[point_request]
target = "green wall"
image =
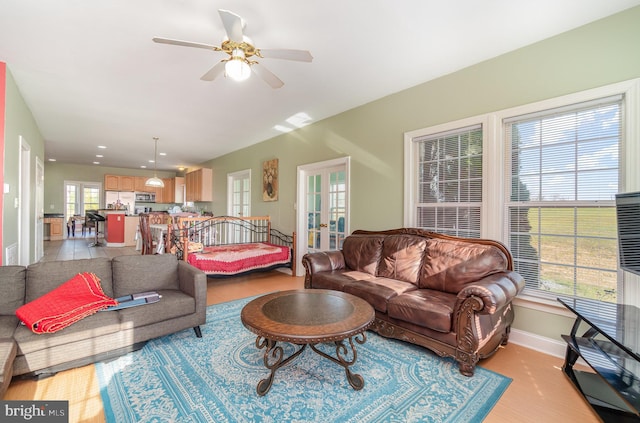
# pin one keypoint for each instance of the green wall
(597, 54)
(18, 122)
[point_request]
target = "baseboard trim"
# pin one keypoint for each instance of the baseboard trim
(541, 344)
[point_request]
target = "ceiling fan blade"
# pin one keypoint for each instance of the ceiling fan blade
(267, 75)
(286, 54)
(233, 25)
(214, 72)
(184, 43)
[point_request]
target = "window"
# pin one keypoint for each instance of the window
(564, 174)
(541, 178)
(91, 198)
(449, 181)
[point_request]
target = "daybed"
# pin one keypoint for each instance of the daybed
(451, 295)
(228, 246)
(104, 334)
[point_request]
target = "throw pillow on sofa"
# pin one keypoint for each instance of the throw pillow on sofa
(77, 298)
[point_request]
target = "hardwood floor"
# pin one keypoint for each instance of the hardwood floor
(539, 390)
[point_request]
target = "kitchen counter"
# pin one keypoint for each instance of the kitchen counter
(54, 215)
(130, 230)
(52, 226)
(114, 227)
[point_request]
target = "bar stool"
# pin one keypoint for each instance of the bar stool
(96, 219)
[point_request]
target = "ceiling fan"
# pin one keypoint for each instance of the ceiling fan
(241, 51)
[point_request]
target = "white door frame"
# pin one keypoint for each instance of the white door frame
(23, 203)
(39, 210)
(301, 207)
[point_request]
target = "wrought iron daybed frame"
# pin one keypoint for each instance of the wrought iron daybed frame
(191, 235)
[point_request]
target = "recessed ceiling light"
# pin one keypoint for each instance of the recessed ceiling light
(52, 160)
(143, 166)
(99, 155)
(102, 146)
(96, 162)
(151, 161)
(162, 154)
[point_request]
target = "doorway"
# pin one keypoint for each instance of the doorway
(323, 206)
(239, 193)
(80, 197)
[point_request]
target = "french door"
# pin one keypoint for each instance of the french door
(80, 197)
(323, 219)
(239, 192)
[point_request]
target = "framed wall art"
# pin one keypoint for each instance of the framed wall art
(270, 180)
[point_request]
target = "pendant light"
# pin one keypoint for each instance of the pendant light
(155, 182)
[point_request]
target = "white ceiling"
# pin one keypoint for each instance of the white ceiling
(91, 75)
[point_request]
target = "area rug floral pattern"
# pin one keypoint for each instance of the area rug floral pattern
(182, 378)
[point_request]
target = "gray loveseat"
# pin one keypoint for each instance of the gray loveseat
(105, 334)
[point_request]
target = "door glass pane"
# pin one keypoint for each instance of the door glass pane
(72, 206)
(337, 209)
(313, 211)
(91, 197)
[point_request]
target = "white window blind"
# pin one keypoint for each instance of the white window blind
(449, 188)
(563, 176)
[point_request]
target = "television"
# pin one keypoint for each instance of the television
(628, 217)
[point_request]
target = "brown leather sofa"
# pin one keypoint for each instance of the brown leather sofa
(451, 295)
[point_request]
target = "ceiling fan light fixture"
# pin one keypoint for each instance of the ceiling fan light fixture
(237, 67)
(155, 182)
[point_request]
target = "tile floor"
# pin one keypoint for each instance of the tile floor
(78, 248)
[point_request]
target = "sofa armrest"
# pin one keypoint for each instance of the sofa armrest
(323, 261)
(495, 291)
(193, 282)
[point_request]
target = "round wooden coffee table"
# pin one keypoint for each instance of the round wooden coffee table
(308, 317)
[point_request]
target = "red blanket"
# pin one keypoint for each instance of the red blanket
(237, 258)
(79, 297)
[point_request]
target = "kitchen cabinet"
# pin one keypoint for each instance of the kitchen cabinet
(55, 225)
(199, 185)
(139, 184)
(119, 183)
(178, 190)
(171, 193)
(130, 229)
(166, 194)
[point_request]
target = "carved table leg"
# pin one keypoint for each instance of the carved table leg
(342, 353)
(273, 360)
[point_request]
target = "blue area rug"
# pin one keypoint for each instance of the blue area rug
(182, 378)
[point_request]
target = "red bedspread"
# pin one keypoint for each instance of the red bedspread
(77, 298)
(239, 258)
